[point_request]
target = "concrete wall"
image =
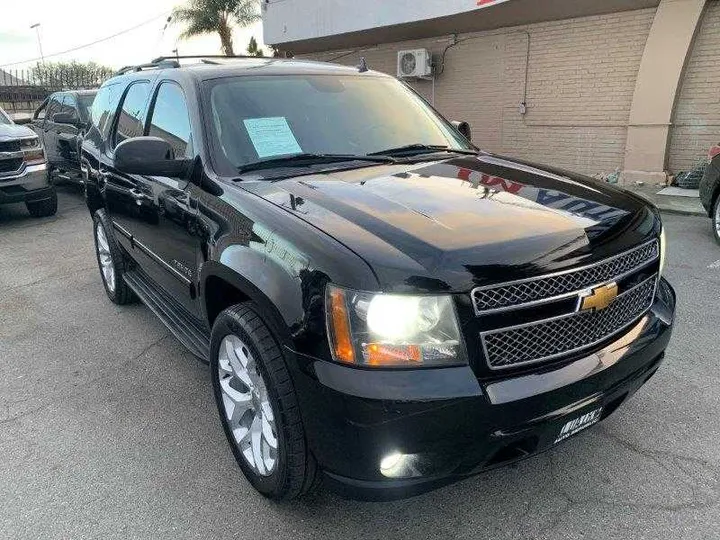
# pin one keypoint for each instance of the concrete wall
(581, 77)
(696, 123)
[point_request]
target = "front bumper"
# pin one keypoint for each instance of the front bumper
(451, 424)
(30, 185)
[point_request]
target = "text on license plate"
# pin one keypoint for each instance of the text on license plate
(578, 424)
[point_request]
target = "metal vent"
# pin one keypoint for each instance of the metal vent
(551, 338)
(563, 284)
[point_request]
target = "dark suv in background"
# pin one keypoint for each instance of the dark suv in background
(381, 303)
(60, 122)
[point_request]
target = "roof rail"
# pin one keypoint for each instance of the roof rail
(161, 63)
(209, 56)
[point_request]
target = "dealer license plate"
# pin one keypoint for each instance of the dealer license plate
(578, 424)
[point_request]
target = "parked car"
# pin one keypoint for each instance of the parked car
(710, 190)
(382, 305)
(61, 122)
(23, 169)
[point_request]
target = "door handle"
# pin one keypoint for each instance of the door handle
(139, 196)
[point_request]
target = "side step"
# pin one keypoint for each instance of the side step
(189, 332)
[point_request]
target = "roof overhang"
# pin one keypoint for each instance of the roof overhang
(503, 14)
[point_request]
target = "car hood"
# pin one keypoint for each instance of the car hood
(9, 132)
(454, 224)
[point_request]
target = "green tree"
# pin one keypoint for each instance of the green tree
(253, 49)
(70, 75)
(209, 16)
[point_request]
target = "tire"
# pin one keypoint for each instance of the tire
(293, 471)
(716, 219)
(44, 208)
(111, 261)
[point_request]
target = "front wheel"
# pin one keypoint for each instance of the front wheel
(716, 219)
(258, 406)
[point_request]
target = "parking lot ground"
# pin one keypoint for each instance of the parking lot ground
(108, 428)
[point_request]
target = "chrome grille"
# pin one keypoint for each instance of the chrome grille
(544, 340)
(547, 288)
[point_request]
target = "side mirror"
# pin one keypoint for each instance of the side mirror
(464, 129)
(65, 118)
(149, 156)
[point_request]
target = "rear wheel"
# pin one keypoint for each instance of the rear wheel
(111, 261)
(716, 219)
(258, 406)
(46, 207)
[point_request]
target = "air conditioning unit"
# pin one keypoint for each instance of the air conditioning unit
(414, 64)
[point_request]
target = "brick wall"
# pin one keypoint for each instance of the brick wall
(581, 78)
(696, 123)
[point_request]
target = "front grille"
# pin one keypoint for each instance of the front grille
(10, 146)
(546, 288)
(10, 165)
(551, 338)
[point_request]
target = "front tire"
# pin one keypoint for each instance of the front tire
(111, 261)
(45, 208)
(716, 219)
(258, 406)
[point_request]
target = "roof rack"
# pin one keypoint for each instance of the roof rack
(167, 62)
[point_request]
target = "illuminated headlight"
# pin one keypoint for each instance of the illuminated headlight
(388, 330)
(663, 247)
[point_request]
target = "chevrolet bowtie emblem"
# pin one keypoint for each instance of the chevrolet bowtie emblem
(598, 298)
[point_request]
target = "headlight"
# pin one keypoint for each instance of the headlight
(388, 330)
(663, 245)
(32, 151)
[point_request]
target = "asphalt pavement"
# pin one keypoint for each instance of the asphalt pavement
(108, 428)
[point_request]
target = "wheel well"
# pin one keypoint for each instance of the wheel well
(93, 199)
(219, 295)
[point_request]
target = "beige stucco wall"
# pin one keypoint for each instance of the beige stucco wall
(581, 80)
(696, 123)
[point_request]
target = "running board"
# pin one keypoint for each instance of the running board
(184, 328)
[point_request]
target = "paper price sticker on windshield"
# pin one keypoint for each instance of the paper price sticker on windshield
(272, 136)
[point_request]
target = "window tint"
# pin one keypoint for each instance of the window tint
(54, 106)
(84, 102)
(132, 113)
(170, 120)
(104, 107)
(68, 105)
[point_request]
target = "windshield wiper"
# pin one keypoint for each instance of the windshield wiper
(302, 160)
(419, 148)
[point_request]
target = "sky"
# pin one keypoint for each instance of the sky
(71, 23)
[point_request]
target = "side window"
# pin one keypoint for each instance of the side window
(54, 106)
(130, 122)
(104, 106)
(170, 119)
(68, 105)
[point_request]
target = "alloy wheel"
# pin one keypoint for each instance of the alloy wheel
(716, 219)
(105, 257)
(247, 405)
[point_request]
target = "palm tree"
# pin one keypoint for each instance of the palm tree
(207, 16)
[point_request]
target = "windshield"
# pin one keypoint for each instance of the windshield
(4, 118)
(85, 102)
(256, 118)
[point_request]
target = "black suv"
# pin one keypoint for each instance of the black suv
(61, 122)
(381, 304)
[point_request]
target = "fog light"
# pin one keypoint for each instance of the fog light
(397, 465)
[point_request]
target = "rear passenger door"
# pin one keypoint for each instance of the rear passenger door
(127, 202)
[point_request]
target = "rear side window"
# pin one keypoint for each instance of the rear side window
(104, 107)
(132, 113)
(54, 106)
(68, 105)
(170, 119)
